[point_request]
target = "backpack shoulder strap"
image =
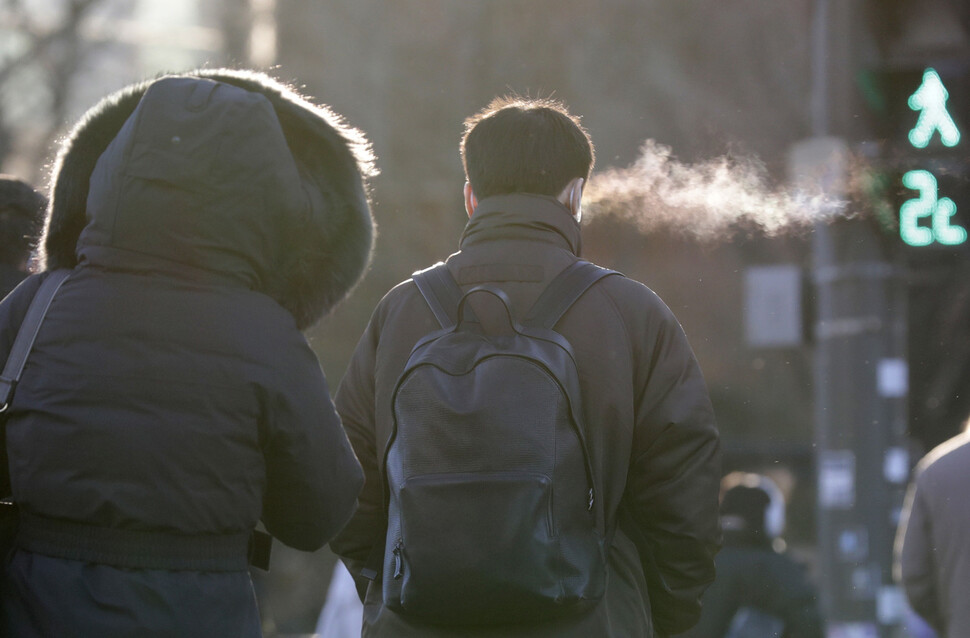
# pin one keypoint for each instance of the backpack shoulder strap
(563, 291)
(441, 292)
(29, 328)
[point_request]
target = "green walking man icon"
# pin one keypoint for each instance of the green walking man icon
(930, 100)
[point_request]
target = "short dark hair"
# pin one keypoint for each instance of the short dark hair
(524, 145)
(21, 212)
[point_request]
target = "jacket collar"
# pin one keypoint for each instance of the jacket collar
(522, 216)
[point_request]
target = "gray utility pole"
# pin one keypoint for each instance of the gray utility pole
(861, 375)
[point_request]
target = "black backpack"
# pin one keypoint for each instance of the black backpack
(492, 509)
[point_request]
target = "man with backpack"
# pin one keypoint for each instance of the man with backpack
(540, 452)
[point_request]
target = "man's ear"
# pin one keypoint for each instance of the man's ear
(471, 202)
(572, 197)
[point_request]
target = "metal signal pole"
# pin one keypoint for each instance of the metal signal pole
(860, 368)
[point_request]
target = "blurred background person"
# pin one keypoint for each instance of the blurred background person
(933, 541)
(21, 210)
(760, 591)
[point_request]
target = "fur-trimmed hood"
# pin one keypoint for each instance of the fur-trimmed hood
(216, 171)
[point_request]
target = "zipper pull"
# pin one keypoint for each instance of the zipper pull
(589, 508)
(398, 561)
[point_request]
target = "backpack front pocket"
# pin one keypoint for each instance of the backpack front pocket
(473, 543)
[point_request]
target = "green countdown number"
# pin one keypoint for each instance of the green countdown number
(928, 204)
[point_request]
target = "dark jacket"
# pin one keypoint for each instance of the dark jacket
(934, 549)
(652, 435)
(170, 394)
(9, 278)
(751, 574)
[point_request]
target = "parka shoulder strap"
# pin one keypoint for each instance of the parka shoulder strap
(441, 292)
(24, 340)
(562, 292)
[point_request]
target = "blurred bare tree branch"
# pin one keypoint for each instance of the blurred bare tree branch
(41, 41)
(52, 55)
(236, 22)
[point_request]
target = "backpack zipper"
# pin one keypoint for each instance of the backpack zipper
(398, 560)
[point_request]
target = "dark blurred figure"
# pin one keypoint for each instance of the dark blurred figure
(933, 542)
(171, 402)
(21, 210)
(759, 592)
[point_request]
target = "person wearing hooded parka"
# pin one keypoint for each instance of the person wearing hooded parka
(171, 401)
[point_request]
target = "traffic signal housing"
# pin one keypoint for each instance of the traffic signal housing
(923, 206)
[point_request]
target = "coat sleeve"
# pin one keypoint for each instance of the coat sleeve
(915, 556)
(355, 401)
(312, 475)
(670, 506)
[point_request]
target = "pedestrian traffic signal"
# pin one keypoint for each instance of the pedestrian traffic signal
(927, 114)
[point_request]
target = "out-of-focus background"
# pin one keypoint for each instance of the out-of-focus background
(749, 169)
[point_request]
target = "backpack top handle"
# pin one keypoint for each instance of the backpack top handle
(444, 295)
